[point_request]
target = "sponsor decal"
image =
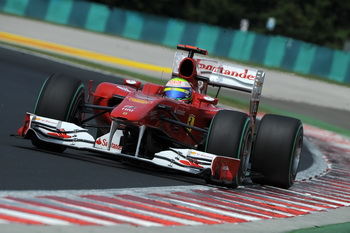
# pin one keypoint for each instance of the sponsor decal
(99, 141)
(140, 101)
(221, 70)
(177, 82)
(128, 108)
(190, 121)
(45, 121)
(196, 153)
(104, 143)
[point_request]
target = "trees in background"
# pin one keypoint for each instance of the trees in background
(322, 22)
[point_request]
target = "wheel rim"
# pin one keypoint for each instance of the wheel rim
(245, 158)
(296, 156)
(77, 113)
(74, 113)
(246, 155)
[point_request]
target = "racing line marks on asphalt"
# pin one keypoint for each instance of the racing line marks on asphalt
(190, 205)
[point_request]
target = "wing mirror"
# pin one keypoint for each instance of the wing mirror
(132, 83)
(208, 99)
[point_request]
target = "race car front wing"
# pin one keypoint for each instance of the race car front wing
(220, 169)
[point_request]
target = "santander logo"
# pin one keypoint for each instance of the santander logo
(98, 141)
(104, 143)
(221, 70)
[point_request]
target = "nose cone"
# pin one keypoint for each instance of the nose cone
(134, 109)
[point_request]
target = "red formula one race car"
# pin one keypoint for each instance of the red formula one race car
(177, 126)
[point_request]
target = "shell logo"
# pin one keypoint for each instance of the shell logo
(140, 101)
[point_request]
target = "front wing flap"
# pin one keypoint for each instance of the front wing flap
(222, 169)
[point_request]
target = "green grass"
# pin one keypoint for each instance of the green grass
(338, 228)
(224, 100)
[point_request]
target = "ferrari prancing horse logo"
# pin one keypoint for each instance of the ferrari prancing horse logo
(190, 121)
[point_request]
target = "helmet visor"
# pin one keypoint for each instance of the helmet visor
(177, 93)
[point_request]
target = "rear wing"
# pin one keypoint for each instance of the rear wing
(228, 75)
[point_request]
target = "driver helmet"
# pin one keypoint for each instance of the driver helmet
(178, 89)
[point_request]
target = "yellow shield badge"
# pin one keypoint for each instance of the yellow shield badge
(190, 121)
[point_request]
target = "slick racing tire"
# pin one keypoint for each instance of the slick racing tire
(230, 135)
(277, 151)
(60, 98)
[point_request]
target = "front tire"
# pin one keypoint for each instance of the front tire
(230, 135)
(277, 150)
(60, 98)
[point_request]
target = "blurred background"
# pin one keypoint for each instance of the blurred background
(305, 37)
(322, 22)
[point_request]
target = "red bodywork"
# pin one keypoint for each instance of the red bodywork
(141, 107)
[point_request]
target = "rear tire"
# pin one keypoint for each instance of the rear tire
(60, 98)
(230, 135)
(277, 150)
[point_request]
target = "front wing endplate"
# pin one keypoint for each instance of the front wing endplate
(224, 169)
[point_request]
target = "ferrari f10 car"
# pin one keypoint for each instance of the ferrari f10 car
(142, 123)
